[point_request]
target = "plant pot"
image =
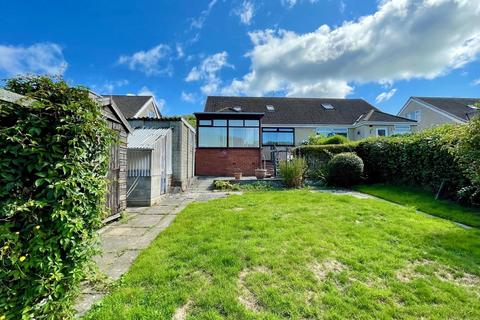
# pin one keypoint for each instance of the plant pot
(260, 173)
(237, 175)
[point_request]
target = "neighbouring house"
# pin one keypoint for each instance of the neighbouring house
(239, 133)
(149, 165)
(137, 106)
(183, 147)
(432, 111)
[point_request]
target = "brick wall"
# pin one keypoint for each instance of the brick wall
(223, 162)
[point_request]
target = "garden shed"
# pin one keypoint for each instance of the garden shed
(149, 165)
(117, 168)
(183, 148)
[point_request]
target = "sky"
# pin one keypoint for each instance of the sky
(181, 51)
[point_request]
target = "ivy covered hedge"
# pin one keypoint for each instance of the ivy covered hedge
(53, 162)
(445, 157)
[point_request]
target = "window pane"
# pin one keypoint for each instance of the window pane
(328, 132)
(205, 122)
(252, 123)
(236, 123)
(243, 137)
(381, 132)
(278, 138)
(219, 123)
(403, 129)
(212, 137)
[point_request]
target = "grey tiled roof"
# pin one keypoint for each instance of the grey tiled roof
(301, 110)
(129, 105)
(458, 107)
(379, 116)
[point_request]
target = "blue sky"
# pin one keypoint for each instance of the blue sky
(181, 51)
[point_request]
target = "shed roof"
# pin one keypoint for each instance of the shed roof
(145, 138)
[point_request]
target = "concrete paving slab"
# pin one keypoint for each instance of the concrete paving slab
(145, 221)
(126, 231)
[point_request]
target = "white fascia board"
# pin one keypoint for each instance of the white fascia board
(146, 105)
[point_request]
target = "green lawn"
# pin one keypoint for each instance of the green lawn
(302, 255)
(424, 201)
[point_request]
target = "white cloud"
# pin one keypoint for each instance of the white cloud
(343, 6)
(188, 97)
(149, 62)
(208, 71)
(385, 96)
(246, 12)
(108, 87)
(403, 39)
(180, 51)
(39, 58)
(198, 23)
(476, 82)
(289, 3)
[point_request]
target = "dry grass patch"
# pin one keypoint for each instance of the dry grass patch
(447, 274)
(247, 298)
(322, 270)
(181, 313)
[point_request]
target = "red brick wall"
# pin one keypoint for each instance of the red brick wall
(223, 162)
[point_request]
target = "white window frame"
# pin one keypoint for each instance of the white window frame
(397, 126)
(382, 128)
(414, 115)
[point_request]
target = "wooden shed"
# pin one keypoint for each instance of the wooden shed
(117, 170)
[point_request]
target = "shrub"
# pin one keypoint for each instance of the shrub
(322, 140)
(225, 185)
(344, 170)
(292, 172)
(53, 162)
(317, 157)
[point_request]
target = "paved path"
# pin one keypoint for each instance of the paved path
(123, 240)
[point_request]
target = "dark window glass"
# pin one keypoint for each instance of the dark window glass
(278, 136)
(252, 123)
(243, 137)
(205, 122)
(235, 123)
(212, 137)
(219, 123)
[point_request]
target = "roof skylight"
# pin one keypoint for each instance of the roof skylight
(327, 106)
(270, 107)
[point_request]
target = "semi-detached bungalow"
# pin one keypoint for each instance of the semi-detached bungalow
(238, 133)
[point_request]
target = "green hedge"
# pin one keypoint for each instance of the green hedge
(317, 156)
(424, 159)
(53, 163)
(447, 155)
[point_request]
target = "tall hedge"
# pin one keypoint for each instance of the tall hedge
(53, 162)
(427, 159)
(445, 157)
